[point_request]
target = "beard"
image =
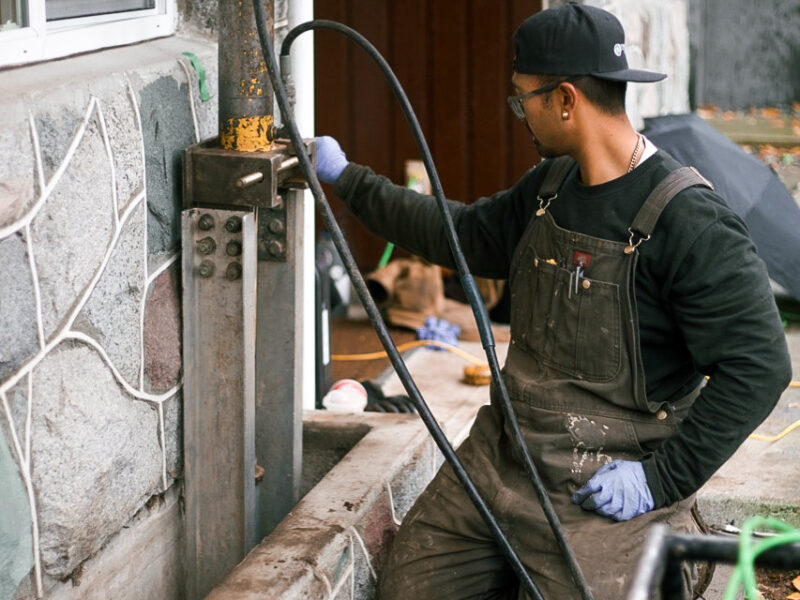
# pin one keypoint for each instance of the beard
(544, 151)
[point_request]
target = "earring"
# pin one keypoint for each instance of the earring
(565, 115)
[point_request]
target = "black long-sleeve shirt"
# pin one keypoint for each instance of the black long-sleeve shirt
(703, 295)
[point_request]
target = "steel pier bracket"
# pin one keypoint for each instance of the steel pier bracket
(219, 316)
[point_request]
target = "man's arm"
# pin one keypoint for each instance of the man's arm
(724, 307)
(488, 230)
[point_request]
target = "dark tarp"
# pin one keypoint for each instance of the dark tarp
(749, 186)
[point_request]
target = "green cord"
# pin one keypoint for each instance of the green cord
(789, 316)
(745, 573)
(205, 96)
(387, 254)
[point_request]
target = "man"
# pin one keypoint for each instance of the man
(624, 296)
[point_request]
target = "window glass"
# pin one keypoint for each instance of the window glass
(12, 14)
(70, 9)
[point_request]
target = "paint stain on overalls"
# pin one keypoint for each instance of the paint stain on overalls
(588, 439)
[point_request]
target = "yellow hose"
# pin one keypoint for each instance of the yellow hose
(402, 347)
(775, 438)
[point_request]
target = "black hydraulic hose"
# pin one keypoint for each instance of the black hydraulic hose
(468, 283)
(374, 314)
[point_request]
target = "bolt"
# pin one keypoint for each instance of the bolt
(275, 248)
(277, 201)
(233, 248)
(206, 246)
(249, 179)
(233, 224)
(205, 222)
(275, 226)
(206, 268)
(234, 271)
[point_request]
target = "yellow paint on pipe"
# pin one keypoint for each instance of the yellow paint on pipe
(248, 134)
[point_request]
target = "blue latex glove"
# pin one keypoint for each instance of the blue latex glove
(440, 331)
(331, 160)
(617, 490)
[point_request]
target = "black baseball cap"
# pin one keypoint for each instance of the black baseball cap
(575, 39)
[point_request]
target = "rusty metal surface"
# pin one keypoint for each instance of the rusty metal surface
(211, 175)
(245, 96)
(214, 176)
(219, 392)
(272, 239)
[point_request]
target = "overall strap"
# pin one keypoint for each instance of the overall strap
(559, 167)
(675, 182)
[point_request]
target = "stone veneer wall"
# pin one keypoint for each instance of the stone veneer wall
(90, 328)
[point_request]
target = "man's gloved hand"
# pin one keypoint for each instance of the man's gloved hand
(617, 490)
(331, 160)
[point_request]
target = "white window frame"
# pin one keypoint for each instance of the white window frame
(41, 40)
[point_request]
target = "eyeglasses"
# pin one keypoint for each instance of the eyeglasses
(515, 102)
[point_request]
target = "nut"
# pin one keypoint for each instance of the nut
(276, 226)
(233, 224)
(205, 222)
(275, 248)
(207, 245)
(206, 269)
(234, 271)
(233, 248)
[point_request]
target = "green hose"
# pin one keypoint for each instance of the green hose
(387, 254)
(745, 573)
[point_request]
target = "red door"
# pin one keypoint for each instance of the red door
(454, 59)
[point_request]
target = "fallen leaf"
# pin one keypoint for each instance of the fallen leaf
(705, 113)
(793, 596)
(770, 112)
(768, 149)
(796, 583)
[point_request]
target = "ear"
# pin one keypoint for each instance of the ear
(567, 97)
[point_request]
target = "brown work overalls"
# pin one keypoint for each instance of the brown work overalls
(575, 378)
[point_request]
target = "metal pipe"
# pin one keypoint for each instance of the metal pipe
(659, 566)
(246, 122)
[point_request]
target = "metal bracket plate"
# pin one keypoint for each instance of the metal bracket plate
(219, 315)
(214, 177)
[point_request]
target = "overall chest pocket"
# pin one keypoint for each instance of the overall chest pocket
(575, 332)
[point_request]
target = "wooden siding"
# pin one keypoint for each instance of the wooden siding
(454, 59)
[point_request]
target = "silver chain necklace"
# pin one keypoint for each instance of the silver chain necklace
(636, 151)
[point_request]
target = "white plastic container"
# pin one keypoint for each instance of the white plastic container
(346, 395)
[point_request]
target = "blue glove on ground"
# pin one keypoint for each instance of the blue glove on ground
(331, 161)
(617, 490)
(440, 331)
